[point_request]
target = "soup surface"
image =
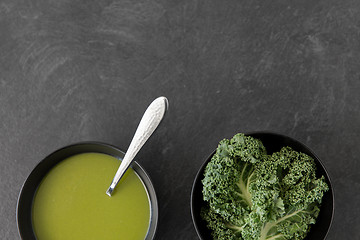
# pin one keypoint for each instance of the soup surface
(71, 202)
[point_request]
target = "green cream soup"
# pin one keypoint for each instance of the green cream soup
(71, 202)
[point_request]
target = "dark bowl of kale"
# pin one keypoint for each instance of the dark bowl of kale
(285, 212)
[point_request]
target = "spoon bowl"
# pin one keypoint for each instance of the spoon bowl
(31, 184)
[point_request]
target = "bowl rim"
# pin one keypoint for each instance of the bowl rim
(52, 159)
(252, 133)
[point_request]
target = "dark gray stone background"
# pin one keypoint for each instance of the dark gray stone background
(77, 70)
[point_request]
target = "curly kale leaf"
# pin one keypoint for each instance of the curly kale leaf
(221, 229)
(228, 177)
(252, 195)
(297, 182)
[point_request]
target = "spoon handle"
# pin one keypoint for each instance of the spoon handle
(149, 122)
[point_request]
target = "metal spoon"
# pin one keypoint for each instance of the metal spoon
(149, 122)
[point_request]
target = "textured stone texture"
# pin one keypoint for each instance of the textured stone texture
(86, 70)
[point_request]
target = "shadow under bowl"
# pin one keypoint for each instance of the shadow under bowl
(27, 193)
(273, 142)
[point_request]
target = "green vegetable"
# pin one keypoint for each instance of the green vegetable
(251, 195)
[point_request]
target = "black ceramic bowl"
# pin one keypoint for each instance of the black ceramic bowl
(273, 142)
(25, 200)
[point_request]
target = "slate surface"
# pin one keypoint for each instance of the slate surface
(81, 70)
